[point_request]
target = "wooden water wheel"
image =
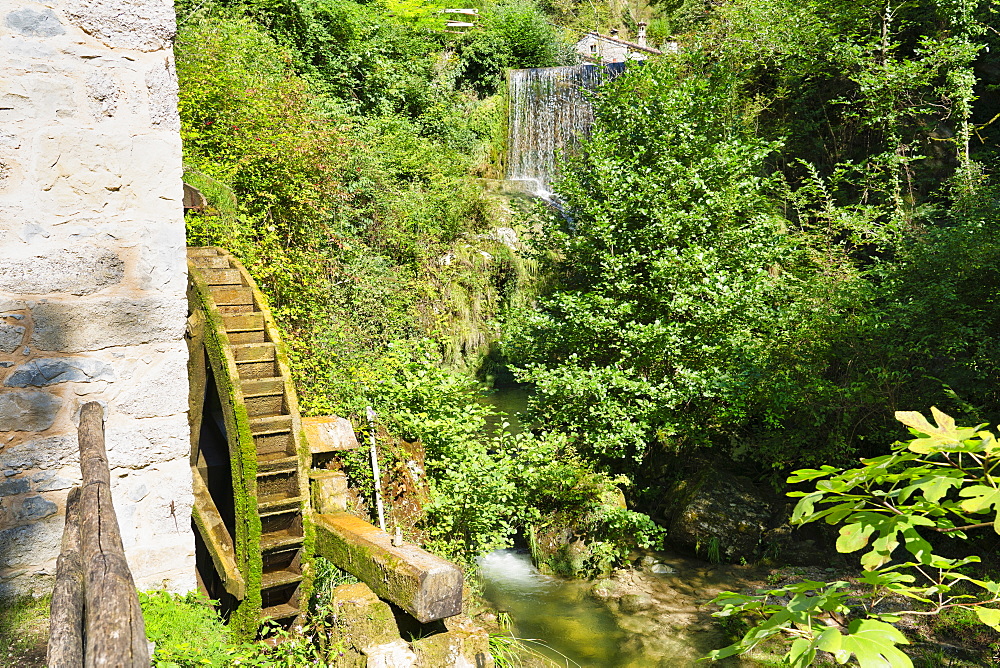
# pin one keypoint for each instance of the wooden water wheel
(249, 459)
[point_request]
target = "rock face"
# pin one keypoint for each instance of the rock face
(716, 515)
(92, 281)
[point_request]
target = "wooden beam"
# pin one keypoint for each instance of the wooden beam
(216, 536)
(66, 613)
(114, 630)
(426, 586)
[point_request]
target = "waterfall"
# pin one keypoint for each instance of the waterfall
(549, 113)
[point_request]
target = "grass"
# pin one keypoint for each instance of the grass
(24, 632)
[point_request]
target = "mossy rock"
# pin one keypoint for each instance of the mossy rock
(365, 620)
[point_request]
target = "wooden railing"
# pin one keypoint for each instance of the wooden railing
(95, 614)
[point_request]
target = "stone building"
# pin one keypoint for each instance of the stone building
(597, 48)
(92, 281)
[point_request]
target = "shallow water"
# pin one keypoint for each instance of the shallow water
(512, 402)
(556, 612)
(577, 630)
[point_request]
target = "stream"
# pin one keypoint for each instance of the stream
(640, 619)
(657, 614)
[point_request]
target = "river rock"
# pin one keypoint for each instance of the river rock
(662, 569)
(717, 509)
(630, 604)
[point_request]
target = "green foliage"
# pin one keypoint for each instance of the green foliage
(753, 253)
(895, 509)
(677, 284)
(24, 630)
(186, 630)
(516, 34)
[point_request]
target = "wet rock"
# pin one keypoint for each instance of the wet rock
(662, 569)
(633, 603)
(717, 514)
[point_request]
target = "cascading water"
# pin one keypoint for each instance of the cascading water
(549, 113)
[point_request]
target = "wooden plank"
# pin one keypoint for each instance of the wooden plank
(426, 586)
(66, 613)
(114, 630)
(217, 539)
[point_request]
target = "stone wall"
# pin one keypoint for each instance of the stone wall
(92, 281)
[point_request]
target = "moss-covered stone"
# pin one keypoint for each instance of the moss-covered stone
(365, 621)
(426, 586)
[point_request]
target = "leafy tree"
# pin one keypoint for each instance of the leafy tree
(679, 303)
(896, 509)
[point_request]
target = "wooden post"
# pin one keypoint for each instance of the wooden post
(113, 626)
(375, 472)
(66, 618)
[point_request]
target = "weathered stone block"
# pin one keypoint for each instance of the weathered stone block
(84, 326)
(396, 654)
(34, 508)
(43, 453)
(34, 23)
(454, 649)
(142, 25)
(329, 433)
(426, 586)
(27, 410)
(365, 620)
(11, 337)
(15, 486)
(50, 371)
(75, 271)
(329, 491)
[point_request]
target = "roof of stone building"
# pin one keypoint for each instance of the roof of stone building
(631, 45)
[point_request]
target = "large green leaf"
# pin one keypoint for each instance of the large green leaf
(980, 498)
(988, 616)
(853, 537)
(874, 644)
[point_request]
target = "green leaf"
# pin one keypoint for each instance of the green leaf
(829, 640)
(979, 499)
(853, 537)
(988, 616)
(874, 644)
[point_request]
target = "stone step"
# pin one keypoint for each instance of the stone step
(280, 578)
(222, 276)
(277, 612)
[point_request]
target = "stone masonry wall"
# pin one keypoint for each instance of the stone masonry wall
(92, 281)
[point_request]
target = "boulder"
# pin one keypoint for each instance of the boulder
(717, 515)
